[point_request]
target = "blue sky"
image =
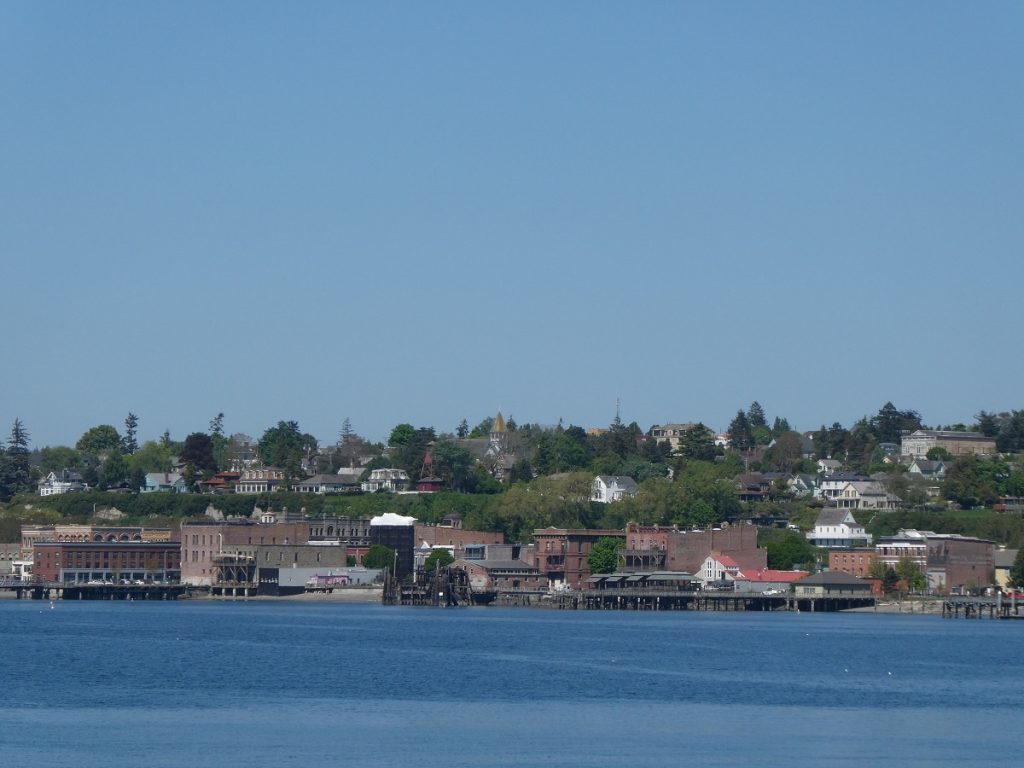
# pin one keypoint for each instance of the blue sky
(413, 212)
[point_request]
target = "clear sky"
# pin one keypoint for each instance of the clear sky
(423, 212)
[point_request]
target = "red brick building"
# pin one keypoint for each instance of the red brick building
(114, 562)
(456, 537)
(562, 553)
(856, 562)
(660, 548)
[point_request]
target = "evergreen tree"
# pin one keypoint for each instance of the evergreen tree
(217, 425)
(755, 415)
(741, 437)
(698, 443)
(462, 430)
(18, 443)
(129, 444)
(15, 472)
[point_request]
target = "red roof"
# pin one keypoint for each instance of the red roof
(725, 561)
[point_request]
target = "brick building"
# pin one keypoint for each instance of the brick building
(203, 542)
(856, 562)
(660, 548)
(113, 562)
(31, 534)
(950, 562)
(562, 553)
(454, 537)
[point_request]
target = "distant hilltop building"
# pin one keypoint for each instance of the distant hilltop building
(919, 442)
(670, 433)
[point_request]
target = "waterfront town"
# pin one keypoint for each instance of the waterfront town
(796, 528)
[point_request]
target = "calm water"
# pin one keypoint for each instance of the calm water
(299, 684)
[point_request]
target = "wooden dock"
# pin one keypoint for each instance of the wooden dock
(996, 607)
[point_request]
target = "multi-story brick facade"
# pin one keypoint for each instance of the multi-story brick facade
(113, 562)
(456, 537)
(856, 562)
(670, 549)
(562, 553)
(204, 541)
(949, 561)
(30, 534)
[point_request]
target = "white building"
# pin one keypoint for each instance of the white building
(68, 481)
(609, 488)
(391, 480)
(837, 528)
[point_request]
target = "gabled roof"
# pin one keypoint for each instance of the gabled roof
(622, 481)
(724, 560)
(835, 516)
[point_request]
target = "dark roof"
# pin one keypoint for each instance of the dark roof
(833, 578)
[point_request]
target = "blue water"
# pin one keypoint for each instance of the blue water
(202, 684)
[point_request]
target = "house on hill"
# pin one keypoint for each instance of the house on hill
(837, 528)
(610, 488)
(65, 481)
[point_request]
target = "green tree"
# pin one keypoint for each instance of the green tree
(988, 423)
(521, 472)
(15, 472)
(198, 453)
(741, 438)
(379, 556)
(17, 444)
(786, 454)
(284, 446)
(99, 441)
(788, 549)
(129, 444)
(462, 431)
(483, 429)
(890, 581)
(453, 464)
(910, 574)
(938, 454)
(113, 473)
(780, 426)
(604, 556)
(151, 457)
(1017, 569)
(890, 422)
(217, 426)
(755, 415)
(698, 443)
(437, 559)
(58, 457)
(402, 434)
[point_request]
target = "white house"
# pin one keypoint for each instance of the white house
(391, 480)
(718, 567)
(865, 494)
(68, 481)
(837, 528)
(935, 470)
(609, 488)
